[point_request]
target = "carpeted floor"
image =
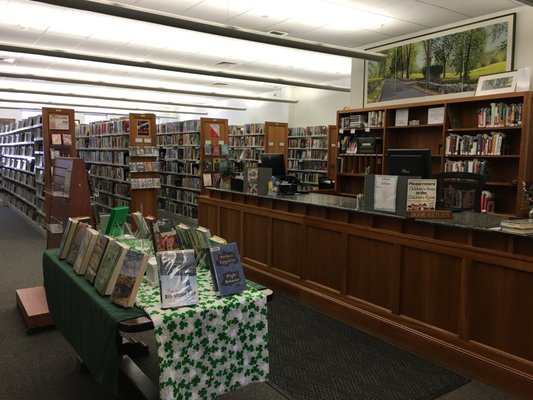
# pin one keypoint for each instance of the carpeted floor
(313, 356)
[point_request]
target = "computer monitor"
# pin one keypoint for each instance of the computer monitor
(276, 161)
(409, 162)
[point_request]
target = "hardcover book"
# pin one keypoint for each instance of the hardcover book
(66, 239)
(96, 256)
(85, 251)
(164, 235)
(109, 267)
(226, 269)
(177, 278)
(76, 242)
(129, 278)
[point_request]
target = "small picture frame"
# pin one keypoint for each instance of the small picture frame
(503, 82)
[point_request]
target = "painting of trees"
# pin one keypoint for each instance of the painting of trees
(441, 63)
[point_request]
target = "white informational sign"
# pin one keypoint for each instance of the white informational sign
(385, 193)
(421, 194)
(58, 122)
(402, 117)
(436, 115)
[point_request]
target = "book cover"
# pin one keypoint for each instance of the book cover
(96, 256)
(85, 251)
(165, 235)
(66, 239)
(109, 267)
(76, 242)
(226, 269)
(129, 278)
(67, 139)
(56, 139)
(177, 278)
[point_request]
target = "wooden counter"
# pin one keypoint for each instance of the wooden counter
(459, 295)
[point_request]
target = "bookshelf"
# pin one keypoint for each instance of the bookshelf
(308, 154)
(22, 165)
(214, 149)
(246, 144)
(143, 164)
(104, 147)
(276, 137)
(483, 134)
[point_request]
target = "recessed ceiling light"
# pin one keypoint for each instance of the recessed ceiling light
(219, 84)
(278, 33)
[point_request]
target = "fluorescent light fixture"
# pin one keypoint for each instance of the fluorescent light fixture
(166, 19)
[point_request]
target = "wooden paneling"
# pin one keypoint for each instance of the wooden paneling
(230, 225)
(208, 216)
(257, 238)
(324, 263)
(501, 302)
(429, 288)
(369, 272)
(287, 244)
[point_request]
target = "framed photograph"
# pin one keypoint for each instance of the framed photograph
(441, 64)
(496, 83)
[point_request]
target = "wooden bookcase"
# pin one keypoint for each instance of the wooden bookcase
(246, 144)
(508, 165)
(22, 167)
(276, 138)
(179, 144)
(143, 163)
(104, 146)
(213, 137)
(308, 154)
(67, 196)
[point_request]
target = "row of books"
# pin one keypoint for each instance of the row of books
(111, 266)
(24, 136)
(144, 166)
(309, 131)
(189, 167)
(144, 151)
(250, 140)
(110, 127)
(180, 250)
(21, 150)
(306, 143)
(308, 154)
(103, 142)
(247, 129)
(107, 171)
(179, 153)
(108, 157)
(314, 165)
(216, 149)
(22, 123)
(179, 139)
(481, 144)
(500, 114)
(145, 183)
(179, 126)
(474, 166)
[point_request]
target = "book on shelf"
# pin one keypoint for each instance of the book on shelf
(109, 267)
(85, 251)
(76, 242)
(96, 256)
(66, 139)
(55, 138)
(129, 278)
(177, 278)
(226, 269)
(401, 117)
(518, 224)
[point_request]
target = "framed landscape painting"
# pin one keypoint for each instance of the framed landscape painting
(441, 63)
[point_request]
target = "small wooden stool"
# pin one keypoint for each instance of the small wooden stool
(34, 308)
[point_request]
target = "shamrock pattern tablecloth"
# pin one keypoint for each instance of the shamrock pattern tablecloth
(211, 348)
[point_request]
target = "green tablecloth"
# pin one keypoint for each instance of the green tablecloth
(211, 348)
(87, 320)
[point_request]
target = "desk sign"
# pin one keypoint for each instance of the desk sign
(421, 199)
(430, 214)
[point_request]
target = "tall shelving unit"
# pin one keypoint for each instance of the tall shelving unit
(104, 146)
(484, 132)
(214, 149)
(179, 145)
(308, 154)
(246, 144)
(21, 147)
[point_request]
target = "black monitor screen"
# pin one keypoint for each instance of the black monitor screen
(276, 161)
(409, 162)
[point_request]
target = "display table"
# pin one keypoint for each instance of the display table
(205, 350)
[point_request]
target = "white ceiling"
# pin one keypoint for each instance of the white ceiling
(347, 23)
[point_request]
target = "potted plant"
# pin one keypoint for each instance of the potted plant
(226, 172)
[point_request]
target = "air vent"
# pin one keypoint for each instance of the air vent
(226, 64)
(278, 33)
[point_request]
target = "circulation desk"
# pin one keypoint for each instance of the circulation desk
(452, 290)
